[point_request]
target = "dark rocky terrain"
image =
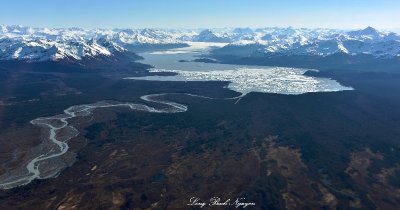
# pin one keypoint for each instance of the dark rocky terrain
(315, 151)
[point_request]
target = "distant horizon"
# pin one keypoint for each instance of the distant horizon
(182, 14)
(200, 28)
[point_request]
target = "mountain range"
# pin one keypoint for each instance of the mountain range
(44, 44)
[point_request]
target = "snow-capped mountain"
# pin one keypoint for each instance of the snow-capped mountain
(41, 44)
(319, 42)
(25, 43)
(209, 36)
(45, 49)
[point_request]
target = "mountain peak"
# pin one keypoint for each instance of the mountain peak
(246, 30)
(36, 44)
(370, 30)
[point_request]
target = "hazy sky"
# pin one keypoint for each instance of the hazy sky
(201, 13)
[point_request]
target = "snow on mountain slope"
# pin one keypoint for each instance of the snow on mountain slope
(209, 36)
(40, 44)
(320, 42)
(44, 49)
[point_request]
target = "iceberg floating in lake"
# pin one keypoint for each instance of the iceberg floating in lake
(280, 80)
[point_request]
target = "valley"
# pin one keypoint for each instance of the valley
(155, 143)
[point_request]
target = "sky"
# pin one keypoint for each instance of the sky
(344, 14)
